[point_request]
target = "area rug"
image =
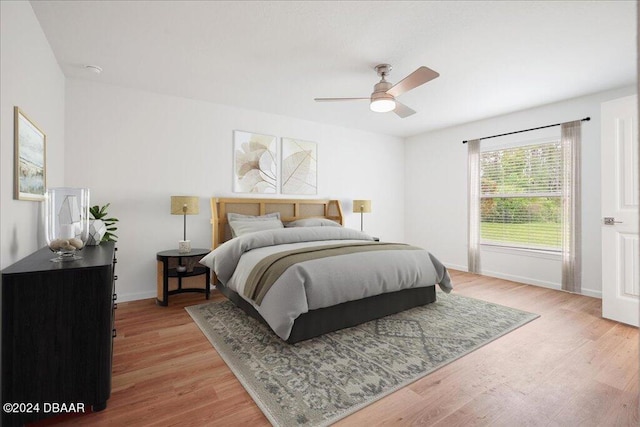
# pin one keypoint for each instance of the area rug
(319, 381)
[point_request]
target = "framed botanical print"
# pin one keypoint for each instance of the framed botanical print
(30, 165)
(299, 166)
(255, 163)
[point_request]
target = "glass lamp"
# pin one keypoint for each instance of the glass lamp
(362, 207)
(185, 205)
(66, 221)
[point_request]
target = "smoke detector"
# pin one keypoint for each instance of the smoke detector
(93, 68)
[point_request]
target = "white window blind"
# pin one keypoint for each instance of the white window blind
(521, 196)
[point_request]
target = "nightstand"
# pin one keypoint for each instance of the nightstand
(169, 263)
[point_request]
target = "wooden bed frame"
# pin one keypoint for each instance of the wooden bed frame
(290, 210)
(320, 321)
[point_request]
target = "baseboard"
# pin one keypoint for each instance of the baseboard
(592, 293)
(529, 281)
(458, 267)
(522, 279)
(122, 297)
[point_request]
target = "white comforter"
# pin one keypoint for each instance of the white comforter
(323, 282)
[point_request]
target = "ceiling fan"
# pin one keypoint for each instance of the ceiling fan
(383, 98)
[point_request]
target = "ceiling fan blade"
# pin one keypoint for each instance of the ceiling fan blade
(413, 80)
(339, 99)
(402, 110)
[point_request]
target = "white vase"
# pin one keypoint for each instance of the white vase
(97, 230)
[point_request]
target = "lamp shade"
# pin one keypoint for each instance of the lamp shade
(185, 205)
(362, 206)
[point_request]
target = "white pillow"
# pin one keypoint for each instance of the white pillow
(313, 222)
(242, 224)
(242, 227)
(234, 216)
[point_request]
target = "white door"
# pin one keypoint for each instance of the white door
(620, 254)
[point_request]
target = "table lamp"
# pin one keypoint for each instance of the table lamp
(185, 205)
(362, 207)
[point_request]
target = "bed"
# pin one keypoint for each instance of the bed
(305, 274)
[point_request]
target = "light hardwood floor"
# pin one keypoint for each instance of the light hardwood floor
(569, 367)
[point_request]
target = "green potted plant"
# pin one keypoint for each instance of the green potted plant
(101, 228)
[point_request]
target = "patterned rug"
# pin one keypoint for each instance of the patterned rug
(319, 381)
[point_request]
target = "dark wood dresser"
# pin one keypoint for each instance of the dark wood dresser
(57, 334)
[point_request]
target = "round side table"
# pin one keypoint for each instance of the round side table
(168, 262)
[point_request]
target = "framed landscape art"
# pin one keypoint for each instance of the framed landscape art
(30, 148)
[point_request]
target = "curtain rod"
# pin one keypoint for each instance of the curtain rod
(586, 119)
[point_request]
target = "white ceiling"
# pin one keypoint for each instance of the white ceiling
(493, 57)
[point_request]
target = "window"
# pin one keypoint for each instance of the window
(521, 196)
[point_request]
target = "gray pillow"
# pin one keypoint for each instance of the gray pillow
(242, 224)
(313, 222)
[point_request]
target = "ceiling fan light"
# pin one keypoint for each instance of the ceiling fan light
(382, 105)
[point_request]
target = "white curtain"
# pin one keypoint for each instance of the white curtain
(474, 205)
(571, 223)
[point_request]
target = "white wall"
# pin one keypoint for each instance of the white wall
(31, 79)
(135, 149)
(436, 193)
